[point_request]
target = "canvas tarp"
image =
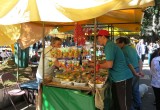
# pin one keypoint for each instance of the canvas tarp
(127, 19)
(31, 33)
(20, 11)
(65, 99)
(61, 12)
(9, 34)
(25, 33)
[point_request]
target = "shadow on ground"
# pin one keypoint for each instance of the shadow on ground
(22, 106)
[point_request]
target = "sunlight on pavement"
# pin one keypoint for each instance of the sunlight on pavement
(146, 77)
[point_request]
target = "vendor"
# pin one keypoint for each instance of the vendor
(48, 69)
(119, 73)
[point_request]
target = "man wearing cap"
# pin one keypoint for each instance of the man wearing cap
(119, 73)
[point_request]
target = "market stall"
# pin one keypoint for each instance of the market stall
(73, 84)
(33, 11)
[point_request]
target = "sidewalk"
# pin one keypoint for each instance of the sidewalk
(148, 98)
(21, 106)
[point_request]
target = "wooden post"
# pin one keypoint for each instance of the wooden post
(18, 62)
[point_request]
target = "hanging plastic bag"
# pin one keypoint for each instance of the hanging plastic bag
(108, 102)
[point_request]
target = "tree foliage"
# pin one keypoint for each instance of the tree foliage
(150, 29)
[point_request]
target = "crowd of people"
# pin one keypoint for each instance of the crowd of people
(145, 49)
(152, 52)
(4, 54)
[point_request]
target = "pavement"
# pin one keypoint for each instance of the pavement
(21, 106)
(147, 99)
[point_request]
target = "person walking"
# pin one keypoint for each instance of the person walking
(119, 74)
(155, 72)
(150, 51)
(140, 47)
(135, 64)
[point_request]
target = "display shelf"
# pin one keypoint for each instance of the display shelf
(56, 84)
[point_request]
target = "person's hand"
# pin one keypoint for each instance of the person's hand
(137, 75)
(141, 74)
(56, 63)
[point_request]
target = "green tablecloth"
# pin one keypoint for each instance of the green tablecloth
(65, 99)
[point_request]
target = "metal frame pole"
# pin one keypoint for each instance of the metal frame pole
(43, 61)
(94, 44)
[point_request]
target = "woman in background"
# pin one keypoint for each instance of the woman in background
(155, 72)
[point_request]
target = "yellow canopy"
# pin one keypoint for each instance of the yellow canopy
(62, 12)
(20, 11)
(9, 34)
(128, 19)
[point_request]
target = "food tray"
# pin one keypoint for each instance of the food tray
(57, 84)
(79, 84)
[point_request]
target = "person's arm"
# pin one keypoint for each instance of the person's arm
(140, 68)
(133, 70)
(106, 64)
(155, 66)
(130, 66)
(109, 51)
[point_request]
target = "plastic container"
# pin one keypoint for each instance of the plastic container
(79, 84)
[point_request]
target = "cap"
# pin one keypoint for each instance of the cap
(103, 33)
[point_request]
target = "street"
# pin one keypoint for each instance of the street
(148, 98)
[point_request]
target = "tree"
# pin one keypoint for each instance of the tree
(150, 29)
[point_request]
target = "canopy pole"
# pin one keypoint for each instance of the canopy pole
(43, 36)
(40, 100)
(18, 61)
(111, 34)
(18, 46)
(94, 45)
